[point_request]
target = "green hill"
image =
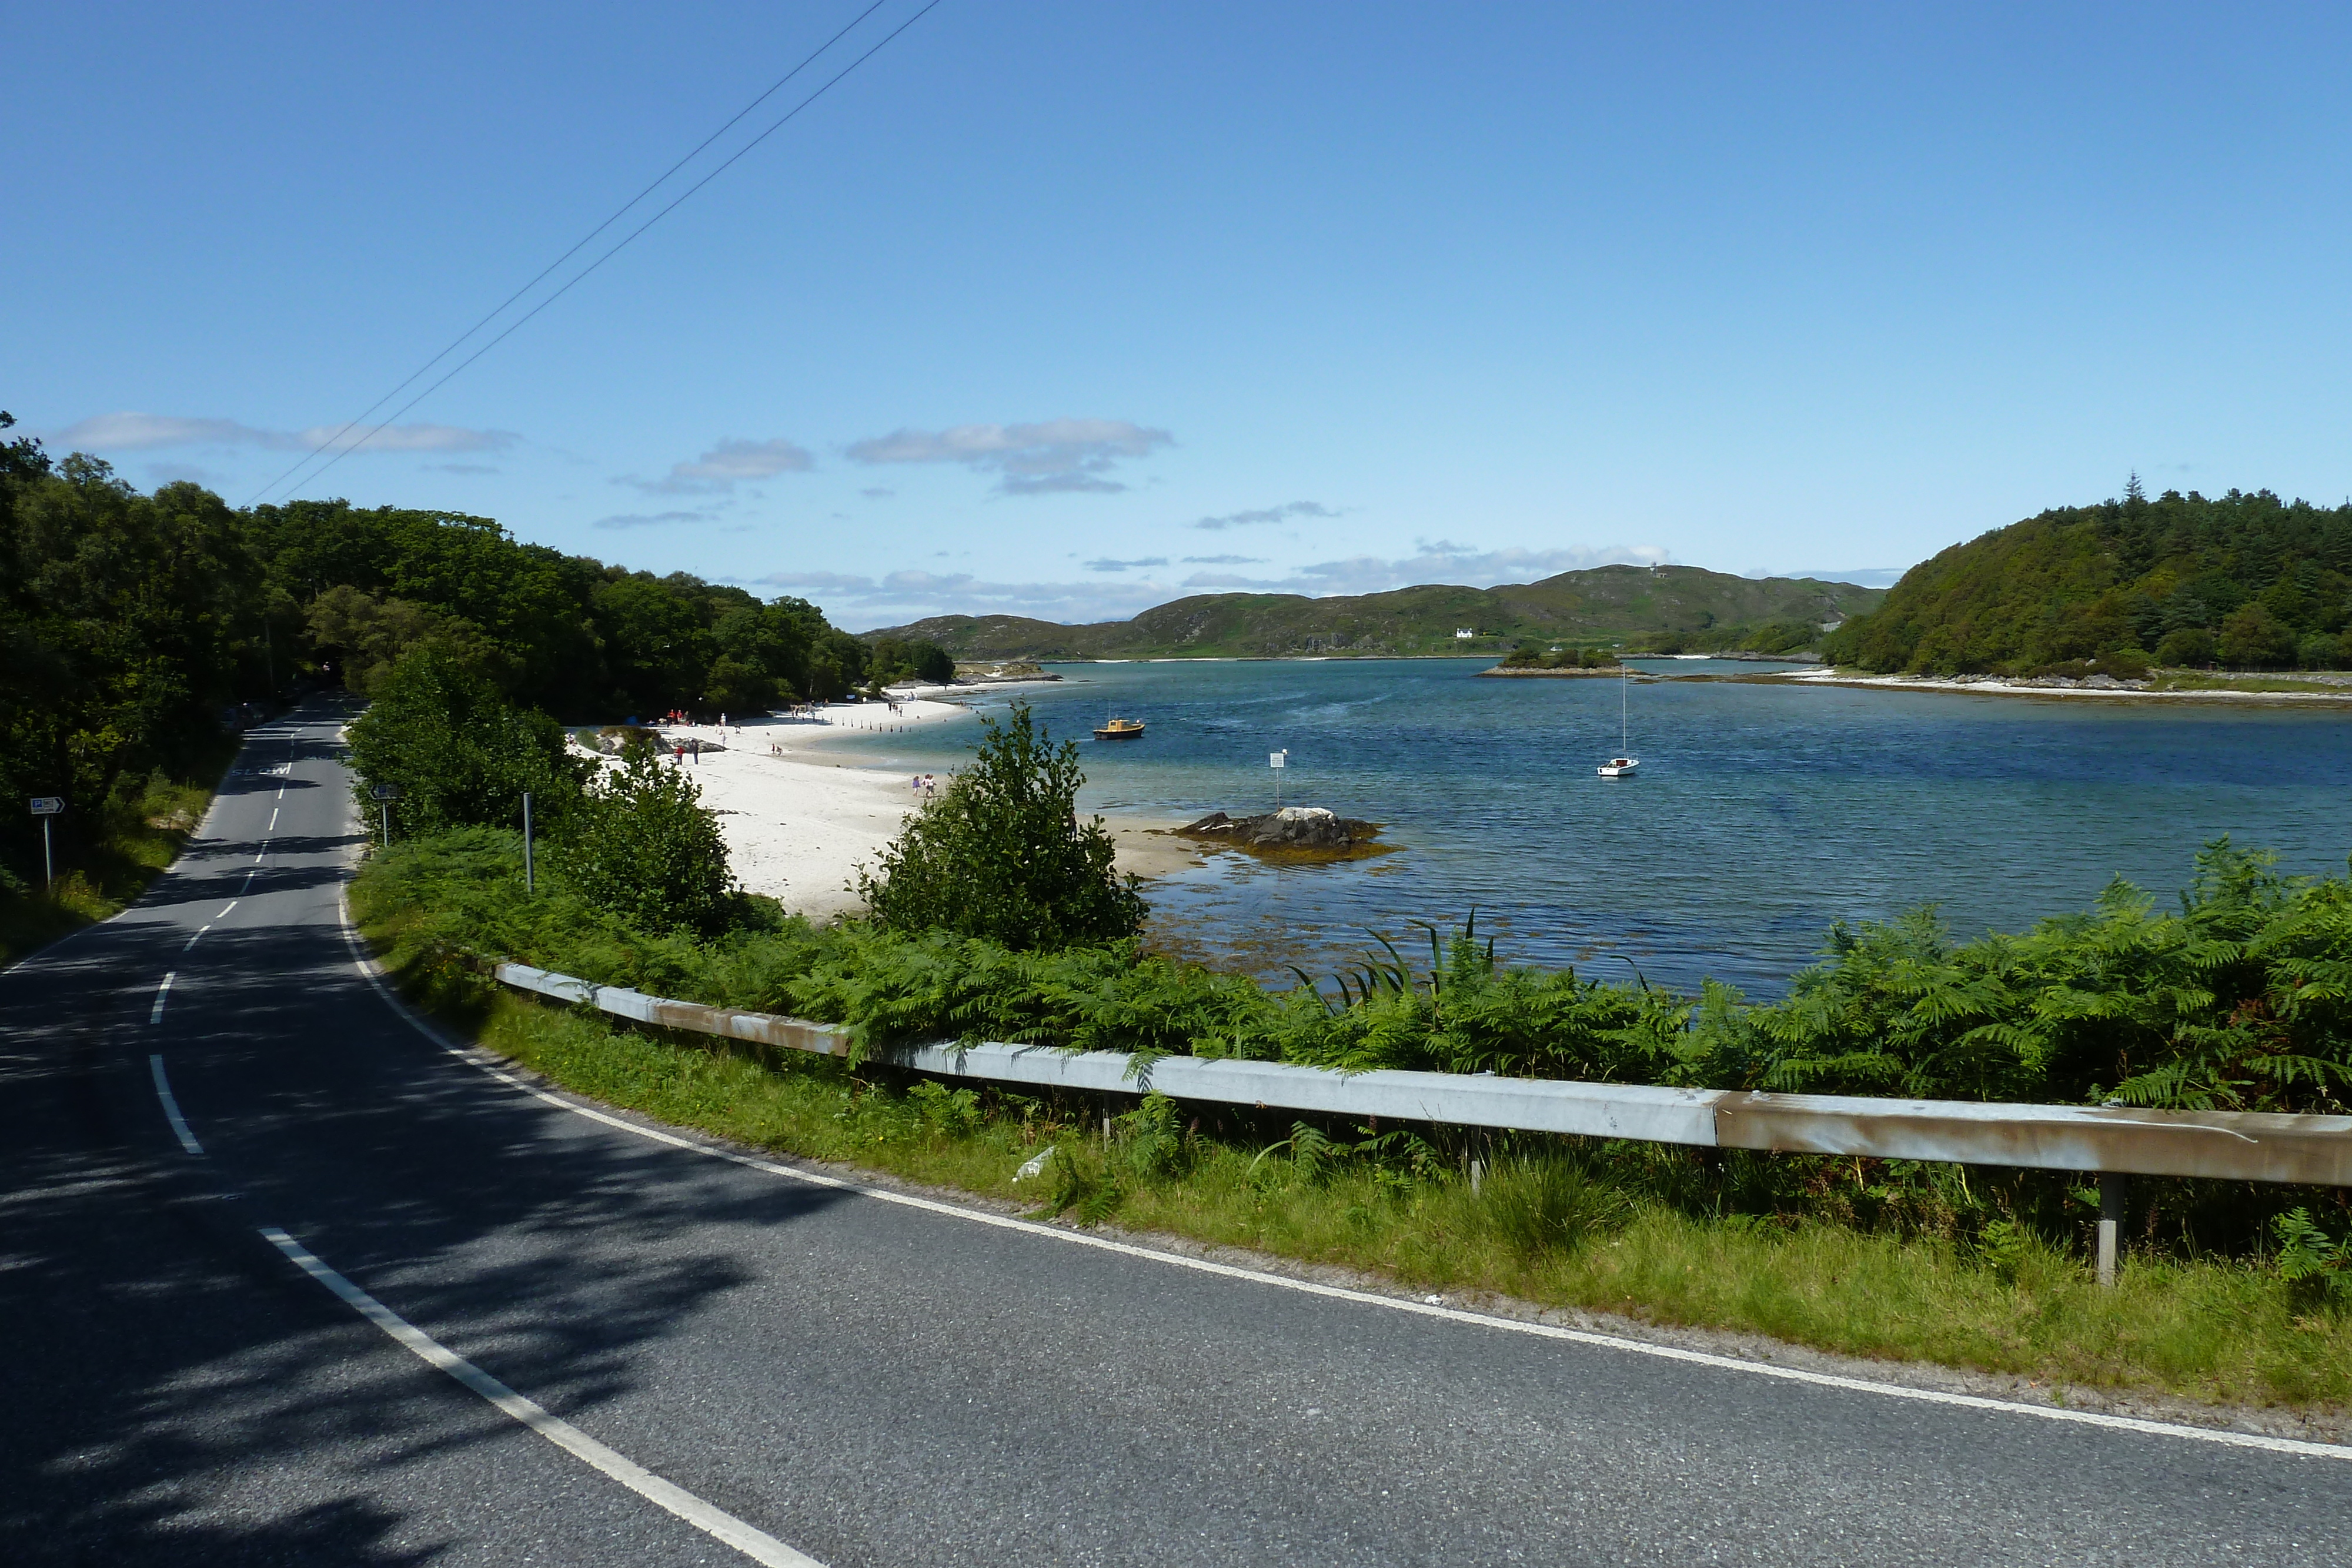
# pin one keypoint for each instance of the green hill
(1667, 609)
(2245, 581)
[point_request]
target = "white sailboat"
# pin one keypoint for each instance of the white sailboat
(1621, 766)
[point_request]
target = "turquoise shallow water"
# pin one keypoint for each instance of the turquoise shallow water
(1761, 813)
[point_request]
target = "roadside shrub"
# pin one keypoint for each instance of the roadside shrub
(1001, 853)
(460, 753)
(2318, 1265)
(641, 845)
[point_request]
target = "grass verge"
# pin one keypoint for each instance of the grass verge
(1555, 1222)
(138, 833)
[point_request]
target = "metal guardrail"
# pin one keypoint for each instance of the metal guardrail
(2238, 1145)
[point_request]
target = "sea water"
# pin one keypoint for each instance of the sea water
(1762, 812)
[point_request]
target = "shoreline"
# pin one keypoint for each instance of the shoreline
(1993, 686)
(799, 822)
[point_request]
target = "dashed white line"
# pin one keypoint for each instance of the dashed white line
(172, 1108)
(233, 903)
(192, 941)
(273, 819)
(155, 1013)
(481, 1061)
(719, 1524)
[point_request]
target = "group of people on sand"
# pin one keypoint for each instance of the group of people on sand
(926, 786)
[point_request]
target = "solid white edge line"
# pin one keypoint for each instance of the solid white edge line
(172, 1108)
(715, 1522)
(155, 1013)
(481, 1061)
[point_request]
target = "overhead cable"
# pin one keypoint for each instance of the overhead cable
(583, 242)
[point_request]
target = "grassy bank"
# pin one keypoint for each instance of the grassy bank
(103, 864)
(1873, 1264)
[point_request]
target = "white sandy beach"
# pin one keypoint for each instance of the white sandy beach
(798, 824)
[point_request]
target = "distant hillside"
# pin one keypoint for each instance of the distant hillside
(1668, 608)
(2248, 581)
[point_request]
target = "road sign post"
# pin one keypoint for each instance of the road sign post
(45, 807)
(1275, 759)
(526, 842)
(387, 794)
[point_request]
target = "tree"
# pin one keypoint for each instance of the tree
(2254, 639)
(1002, 854)
(642, 845)
(458, 752)
(2188, 646)
(894, 660)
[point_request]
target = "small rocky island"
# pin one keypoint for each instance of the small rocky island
(1300, 832)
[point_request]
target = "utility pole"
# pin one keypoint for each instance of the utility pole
(526, 842)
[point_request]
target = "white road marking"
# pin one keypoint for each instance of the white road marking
(232, 903)
(481, 1060)
(257, 859)
(721, 1525)
(155, 1013)
(273, 819)
(172, 1108)
(192, 941)
(248, 881)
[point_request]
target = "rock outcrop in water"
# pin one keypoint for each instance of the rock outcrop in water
(1292, 827)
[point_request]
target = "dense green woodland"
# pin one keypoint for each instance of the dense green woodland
(2245, 581)
(130, 621)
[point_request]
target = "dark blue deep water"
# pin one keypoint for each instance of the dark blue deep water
(1761, 813)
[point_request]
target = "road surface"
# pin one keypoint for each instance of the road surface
(756, 1367)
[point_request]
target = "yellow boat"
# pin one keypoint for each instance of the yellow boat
(1119, 730)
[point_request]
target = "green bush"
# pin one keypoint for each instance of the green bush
(641, 845)
(2254, 639)
(1001, 853)
(457, 751)
(2187, 647)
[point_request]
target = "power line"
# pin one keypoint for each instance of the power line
(584, 241)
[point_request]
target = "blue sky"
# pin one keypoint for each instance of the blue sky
(1066, 310)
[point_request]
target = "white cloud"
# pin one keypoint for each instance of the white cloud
(902, 596)
(1054, 454)
(131, 432)
(1263, 515)
(725, 466)
(648, 519)
(1860, 576)
(1434, 560)
(1108, 565)
(417, 438)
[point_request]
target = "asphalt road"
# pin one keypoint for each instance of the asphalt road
(867, 1382)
